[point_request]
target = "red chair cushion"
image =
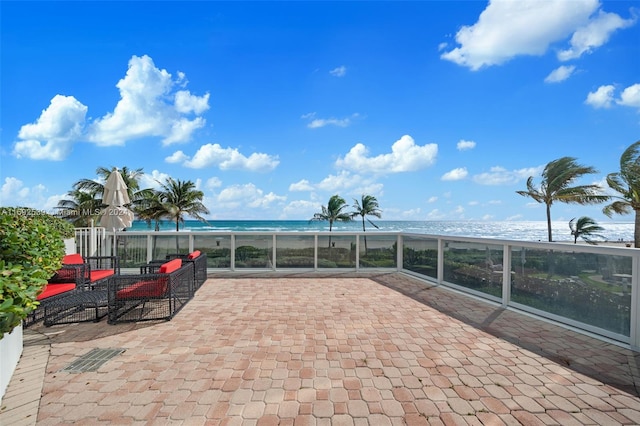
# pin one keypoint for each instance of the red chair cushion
(100, 274)
(53, 289)
(170, 266)
(144, 289)
(73, 259)
(194, 254)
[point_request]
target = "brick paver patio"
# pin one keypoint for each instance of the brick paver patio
(381, 349)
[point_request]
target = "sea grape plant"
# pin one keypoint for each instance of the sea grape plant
(31, 250)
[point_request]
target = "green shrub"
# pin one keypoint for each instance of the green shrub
(31, 250)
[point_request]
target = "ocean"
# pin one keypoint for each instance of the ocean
(520, 231)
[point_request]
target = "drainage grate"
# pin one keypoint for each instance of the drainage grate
(92, 360)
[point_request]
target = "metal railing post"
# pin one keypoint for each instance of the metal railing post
(399, 253)
(273, 253)
(315, 252)
(357, 252)
(441, 246)
(93, 241)
(506, 275)
(634, 331)
(233, 252)
(149, 248)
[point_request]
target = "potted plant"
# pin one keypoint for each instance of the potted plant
(31, 250)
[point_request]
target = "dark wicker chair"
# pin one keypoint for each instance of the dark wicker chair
(67, 280)
(157, 293)
(199, 260)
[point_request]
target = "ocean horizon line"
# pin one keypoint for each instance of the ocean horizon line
(526, 230)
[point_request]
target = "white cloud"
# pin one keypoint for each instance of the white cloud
(506, 29)
(247, 195)
(317, 123)
(181, 130)
(14, 193)
(13, 189)
(412, 214)
(436, 214)
(601, 98)
(473, 203)
(455, 174)
(405, 156)
(177, 157)
(340, 71)
(630, 96)
(300, 208)
(561, 73)
(186, 103)
(465, 145)
(350, 185)
(213, 183)
(340, 182)
(230, 158)
(432, 199)
(302, 185)
(144, 108)
(594, 34)
(54, 132)
(153, 180)
(501, 176)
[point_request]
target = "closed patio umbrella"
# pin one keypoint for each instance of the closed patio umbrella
(115, 216)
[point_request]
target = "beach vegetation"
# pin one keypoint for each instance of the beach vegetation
(586, 228)
(557, 185)
(31, 251)
(626, 184)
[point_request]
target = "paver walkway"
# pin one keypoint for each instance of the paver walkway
(378, 350)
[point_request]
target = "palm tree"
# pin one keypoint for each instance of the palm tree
(131, 179)
(585, 228)
(86, 195)
(368, 206)
(180, 198)
(557, 178)
(81, 208)
(150, 209)
(333, 212)
(626, 183)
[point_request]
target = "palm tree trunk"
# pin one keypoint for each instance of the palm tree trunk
(636, 230)
(330, 227)
(177, 237)
(549, 222)
(365, 237)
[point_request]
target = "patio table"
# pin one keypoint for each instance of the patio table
(79, 306)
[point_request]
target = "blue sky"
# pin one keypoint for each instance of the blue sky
(441, 110)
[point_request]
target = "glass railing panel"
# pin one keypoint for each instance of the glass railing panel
(131, 250)
(217, 248)
(476, 266)
(420, 255)
(336, 251)
(591, 288)
(163, 245)
(378, 251)
(295, 251)
(254, 251)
